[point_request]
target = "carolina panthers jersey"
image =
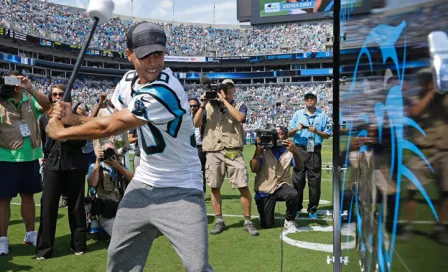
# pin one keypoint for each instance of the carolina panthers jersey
(167, 142)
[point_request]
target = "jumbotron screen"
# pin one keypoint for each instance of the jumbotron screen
(270, 11)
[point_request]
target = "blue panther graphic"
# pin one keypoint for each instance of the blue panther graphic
(385, 38)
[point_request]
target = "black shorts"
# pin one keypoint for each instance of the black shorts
(19, 177)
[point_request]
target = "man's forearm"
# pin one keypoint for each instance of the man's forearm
(255, 162)
(198, 117)
(77, 120)
(297, 160)
(128, 176)
(292, 132)
(41, 99)
(420, 107)
(95, 128)
(322, 134)
(93, 178)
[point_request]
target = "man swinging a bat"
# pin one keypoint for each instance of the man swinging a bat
(166, 193)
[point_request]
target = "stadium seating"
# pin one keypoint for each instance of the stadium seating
(71, 25)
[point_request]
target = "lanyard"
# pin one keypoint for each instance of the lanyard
(308, 119)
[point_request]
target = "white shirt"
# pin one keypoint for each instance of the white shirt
(168, 155)
(197, 133)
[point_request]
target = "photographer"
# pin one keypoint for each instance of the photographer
(106, 108)
(430, 110)
(223, 142)
(20, 151)
(110, 179)
(273, 180)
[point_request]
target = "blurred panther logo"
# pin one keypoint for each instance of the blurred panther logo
(388, 115)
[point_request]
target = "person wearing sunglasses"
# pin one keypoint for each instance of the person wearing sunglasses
(64, 174)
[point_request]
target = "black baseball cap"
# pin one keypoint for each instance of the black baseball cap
(310, 94)
(146, 38)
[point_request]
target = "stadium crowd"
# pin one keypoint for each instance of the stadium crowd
(71, 25)
(274, 104)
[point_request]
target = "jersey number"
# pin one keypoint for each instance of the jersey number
(159, 143)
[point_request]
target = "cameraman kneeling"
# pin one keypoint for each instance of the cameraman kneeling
(110, 179)
(273, 180)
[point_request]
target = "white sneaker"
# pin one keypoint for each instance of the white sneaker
(79, 253)
(30, 238)
(290, 226)
(4, 244)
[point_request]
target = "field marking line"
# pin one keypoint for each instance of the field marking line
(319, 212)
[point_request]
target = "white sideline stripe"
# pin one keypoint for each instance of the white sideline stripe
(319, 212)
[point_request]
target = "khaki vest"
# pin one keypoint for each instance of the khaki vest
(114, 139)
(434, 122)
(110, 190)
(222, 131)
(10, 137)
(273, 172)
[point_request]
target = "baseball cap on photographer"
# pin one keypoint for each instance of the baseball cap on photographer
(228, 81)
(146, 38)
(310, 94)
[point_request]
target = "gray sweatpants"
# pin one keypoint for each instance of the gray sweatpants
(178, 213)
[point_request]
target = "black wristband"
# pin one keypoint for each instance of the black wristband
(202, 107)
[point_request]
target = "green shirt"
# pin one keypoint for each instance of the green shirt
(26, 152)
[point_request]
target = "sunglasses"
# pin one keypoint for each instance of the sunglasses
(194, 106)
(58, 94)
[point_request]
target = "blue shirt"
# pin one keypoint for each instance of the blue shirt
(318, 119)
(111, 171)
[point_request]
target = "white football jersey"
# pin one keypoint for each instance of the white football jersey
(169, 157)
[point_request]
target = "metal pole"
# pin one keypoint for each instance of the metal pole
(71, 82)
(214, 13)
(337, 266)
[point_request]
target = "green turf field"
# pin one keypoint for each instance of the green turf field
(233, 250)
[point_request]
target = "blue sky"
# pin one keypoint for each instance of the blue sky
(197, 11)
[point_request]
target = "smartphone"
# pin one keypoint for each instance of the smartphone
(12, 81)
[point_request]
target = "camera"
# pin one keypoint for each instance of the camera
(269, 138)
(108, 154)
(211, 90)
(438, 44)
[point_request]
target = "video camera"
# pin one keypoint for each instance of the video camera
(211, 90)
(269, 138)
(438, 47)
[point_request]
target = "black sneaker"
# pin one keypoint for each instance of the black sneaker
(250, 228)
(218, 228)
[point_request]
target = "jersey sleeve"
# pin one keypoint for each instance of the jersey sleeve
(158, 105)
(117, 97)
